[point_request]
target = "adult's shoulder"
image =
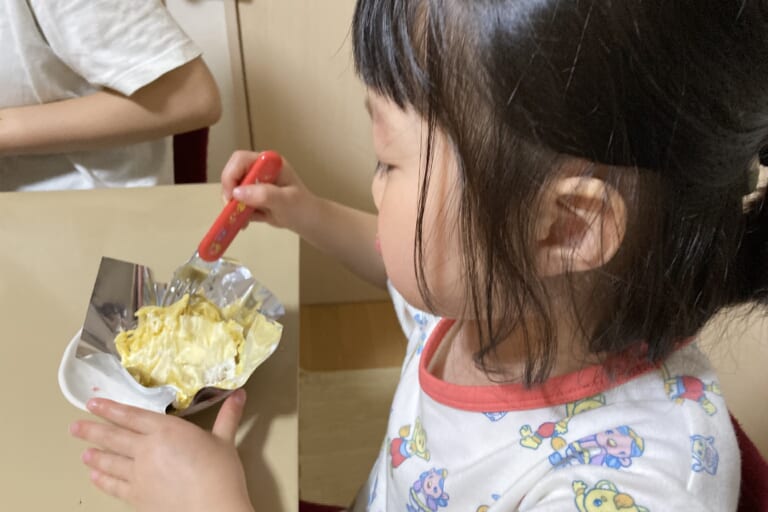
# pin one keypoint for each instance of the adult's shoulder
(115, 44)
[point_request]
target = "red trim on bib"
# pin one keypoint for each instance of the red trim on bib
(516, 397)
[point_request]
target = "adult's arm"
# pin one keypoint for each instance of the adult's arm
(183, 99)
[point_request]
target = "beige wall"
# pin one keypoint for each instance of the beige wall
(737, 343)
(306, 103)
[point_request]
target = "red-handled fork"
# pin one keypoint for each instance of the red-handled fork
(187, 278)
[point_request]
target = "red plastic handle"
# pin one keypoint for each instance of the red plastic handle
(235, 214)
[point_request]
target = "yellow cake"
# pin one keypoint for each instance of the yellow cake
(192, 344)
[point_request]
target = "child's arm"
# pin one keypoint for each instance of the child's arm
(345, 233)
(158, 462)
(183, 99)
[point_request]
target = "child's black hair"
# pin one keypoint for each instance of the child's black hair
(671, 96)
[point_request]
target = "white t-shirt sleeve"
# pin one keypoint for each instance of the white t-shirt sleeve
(416, 324)
(113, 43)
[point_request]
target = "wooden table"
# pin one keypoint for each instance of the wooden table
(53, 243)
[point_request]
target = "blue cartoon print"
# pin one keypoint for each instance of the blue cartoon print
(484, 508)
(408, 444)
(614, 448)
(603, 497)
(686, 387)
(428, 492)
(705, 457)
(421, 324)
(494, 416)
(554, 431)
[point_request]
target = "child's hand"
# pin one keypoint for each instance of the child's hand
(286, 204)
(158, 462)
(345, 233)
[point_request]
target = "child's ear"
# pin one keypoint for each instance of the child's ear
(582, 224)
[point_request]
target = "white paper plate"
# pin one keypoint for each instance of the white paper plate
(102, 376)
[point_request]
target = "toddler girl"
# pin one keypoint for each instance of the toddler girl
(566, 194)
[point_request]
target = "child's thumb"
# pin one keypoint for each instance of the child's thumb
(229, 416)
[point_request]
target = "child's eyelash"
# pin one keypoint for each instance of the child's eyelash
(381, 167)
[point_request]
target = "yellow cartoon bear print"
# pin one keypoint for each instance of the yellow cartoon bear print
(603, 497)
(409, 444)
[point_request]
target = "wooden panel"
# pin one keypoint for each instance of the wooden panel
(342, 424)
(306, 102)
(350, 336)
(351, 356)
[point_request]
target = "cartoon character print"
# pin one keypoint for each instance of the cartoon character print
(421, 324)
(705, 457)
(428, 492)
(614, 448)
(485, 508)
(495, 416)
(686, 387)
(555, 430)
(603, 497)
(404, 447)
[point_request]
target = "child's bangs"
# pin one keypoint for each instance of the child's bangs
(389, 45)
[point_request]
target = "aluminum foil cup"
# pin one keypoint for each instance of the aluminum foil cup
(91, 365)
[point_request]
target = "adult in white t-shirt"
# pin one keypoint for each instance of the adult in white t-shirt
(90, 90)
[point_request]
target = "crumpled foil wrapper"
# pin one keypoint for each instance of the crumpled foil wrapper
(91, 364)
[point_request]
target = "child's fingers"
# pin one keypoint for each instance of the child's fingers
(229, 416)
(259, 216)
(258, 195)
(110, 464)
(115, 487)
(109, 437)
(236, 167)
(131, 418)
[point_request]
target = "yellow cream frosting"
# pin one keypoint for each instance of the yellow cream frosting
(192, 344)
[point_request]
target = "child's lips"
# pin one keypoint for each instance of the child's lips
(377, 244)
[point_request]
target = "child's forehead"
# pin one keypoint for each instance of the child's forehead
(379, 107)
(389, 120)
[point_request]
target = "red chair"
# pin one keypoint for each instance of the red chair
(305, 506)
(190, 156)
(754, 474)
